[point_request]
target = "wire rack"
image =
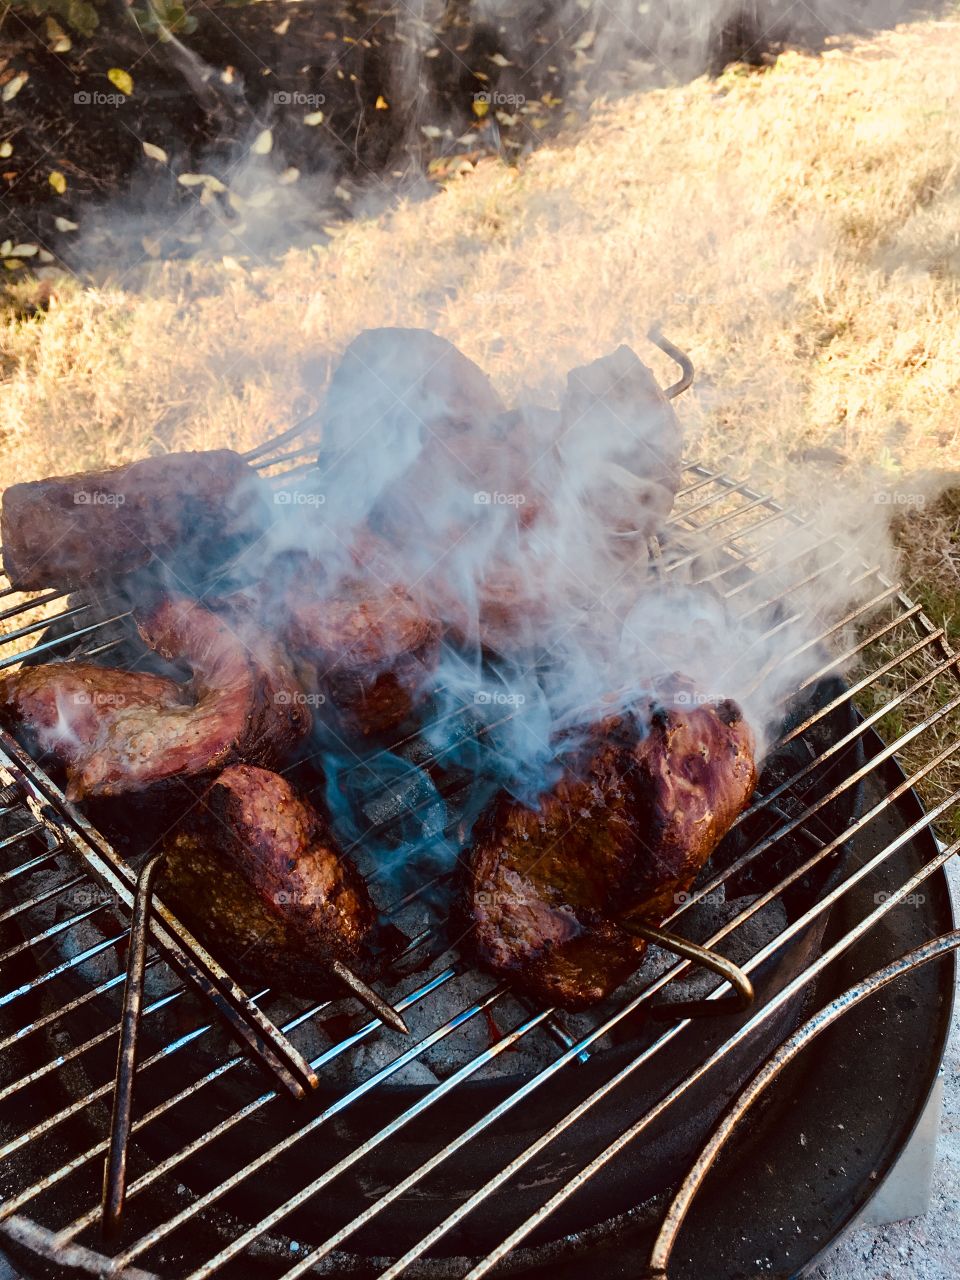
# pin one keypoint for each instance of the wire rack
(59, 1008)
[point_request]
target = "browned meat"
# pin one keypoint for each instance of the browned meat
(614, 407)
(192, 510)
(371, 651)
(60, 708)
(639, 809)
(242, 703)
(257, 875)
(404, 386)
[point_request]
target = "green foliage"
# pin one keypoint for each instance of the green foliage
(158, 18)
(81, 15)
(162, 18)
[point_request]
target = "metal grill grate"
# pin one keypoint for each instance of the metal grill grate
(296, 1195)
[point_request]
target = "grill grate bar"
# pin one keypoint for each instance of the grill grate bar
(217, 1073)
(741, 546)
(802, 980)
(588, 1040)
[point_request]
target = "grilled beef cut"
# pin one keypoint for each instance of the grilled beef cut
(259, 878)
(370, 650)
(242, 703)
(58, 710)
(192, 510)
(638, 810)
(615, 409)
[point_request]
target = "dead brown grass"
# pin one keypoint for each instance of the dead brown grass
(794, 228)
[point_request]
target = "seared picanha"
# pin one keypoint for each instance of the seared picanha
(638, 810)
(117, 732)
(255, 872)
(191, 509)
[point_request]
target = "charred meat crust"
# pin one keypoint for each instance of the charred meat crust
(242, 703)
(194, 509)
(639, 809)
(371, 652)
(257, 875)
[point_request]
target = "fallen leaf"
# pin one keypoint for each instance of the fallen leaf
(500, 60)
(281, 29)
(5, 248)
(432, 53)
(381, 103)
(121, 80)
(342, 194)
(191, 179)
(154, 152)
(64, 224)
(60, 42)
(12, 264)
(431, 131)
(45, 256)
(289, 176)
(23, 250)
(6, 149)
(313, 117)
(585, 41)
(480, 107)
(13, 87)
(263, 143)
(58, 182)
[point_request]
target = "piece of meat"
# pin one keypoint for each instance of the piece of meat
(242, 704)
(638, 809)
(256, 873)
(191, 510)
(614, 409)
(370, 650)
(57, 710)
(402, 387)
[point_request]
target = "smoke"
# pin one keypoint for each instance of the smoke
(495, 77)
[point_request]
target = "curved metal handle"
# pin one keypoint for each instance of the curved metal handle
(680, 1205)
(681, 357)
(743, 993)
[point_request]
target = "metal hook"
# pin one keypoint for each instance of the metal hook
(743, 993)
(681, 357)
(115, 1168)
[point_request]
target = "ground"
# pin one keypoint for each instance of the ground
(793, 226)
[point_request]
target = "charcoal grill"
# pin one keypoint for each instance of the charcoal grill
(598, 1156)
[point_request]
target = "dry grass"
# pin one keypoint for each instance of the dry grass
(794, 228)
